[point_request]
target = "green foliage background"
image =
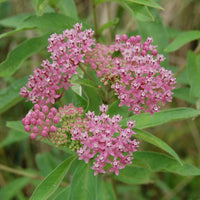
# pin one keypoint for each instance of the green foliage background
(167, 163)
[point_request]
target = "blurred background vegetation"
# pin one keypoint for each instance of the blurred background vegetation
(20, 158)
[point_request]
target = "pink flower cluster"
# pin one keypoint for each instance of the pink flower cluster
(104, 139)
(41, 121)
(67, 51)
(135, 75)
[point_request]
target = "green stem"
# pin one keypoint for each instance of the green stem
(19, 172)
(95, 17)
(86, 73)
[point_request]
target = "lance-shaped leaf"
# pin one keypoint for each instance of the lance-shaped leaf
(157, 142)
(149, 3)
(10, 190)
(48, 22)
(158, 162)
(105, 190)
(18, 55)
(183, 39)
(193, 73)
(134, 175)
(47, 187)
(145, 120)
(84, 183)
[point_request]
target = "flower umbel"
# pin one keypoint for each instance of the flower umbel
(106, 141)
(67, 51)
(133, 69)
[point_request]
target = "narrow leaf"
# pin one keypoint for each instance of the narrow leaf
(68, 7)
(184, 93)
(114, 109)
(144, 120)
(193, 73)
(149, 3)
(134, 175)
(183, 39)
(157, 142)
(84, 183)
(52, 181)
(109, 24)
(140, 12)
(16, 125)
(10, 96)
(94, 99)
(86, 82)
(13, 137)
(158, 162)
(15, 21)
(18, 55)
(72, 97)
(64, 194)
(45, 163)
(48, 22)
(10, 190)
(105, 190)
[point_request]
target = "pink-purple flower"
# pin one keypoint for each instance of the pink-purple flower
(106, 141)
(133, 70)
(67, 51)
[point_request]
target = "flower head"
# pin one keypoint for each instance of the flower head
(134, 72)
(67, 51)
(106, 141)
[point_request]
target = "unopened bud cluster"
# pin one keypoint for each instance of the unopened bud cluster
(70, 117)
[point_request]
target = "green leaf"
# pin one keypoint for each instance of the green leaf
(149, 3)
(184, 93)
(114, 109)
(157, 142)
(158, 162)
(10, 190)
(48, 22)
(47, 187)
(18, 55)
(45, 163)
(86, 82)
(109, 24)
(84, 183)
(15, 21)
(16, 125)
(90, 89)
(13, 137)
(133, 175)
(105, 190)
(72, 97)
(182, 39)
(64, 194)
(145, 120)
(140, 12)
(10, 96)
(68, 7)
(41, 6)
(193, 73)
(94, 100)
